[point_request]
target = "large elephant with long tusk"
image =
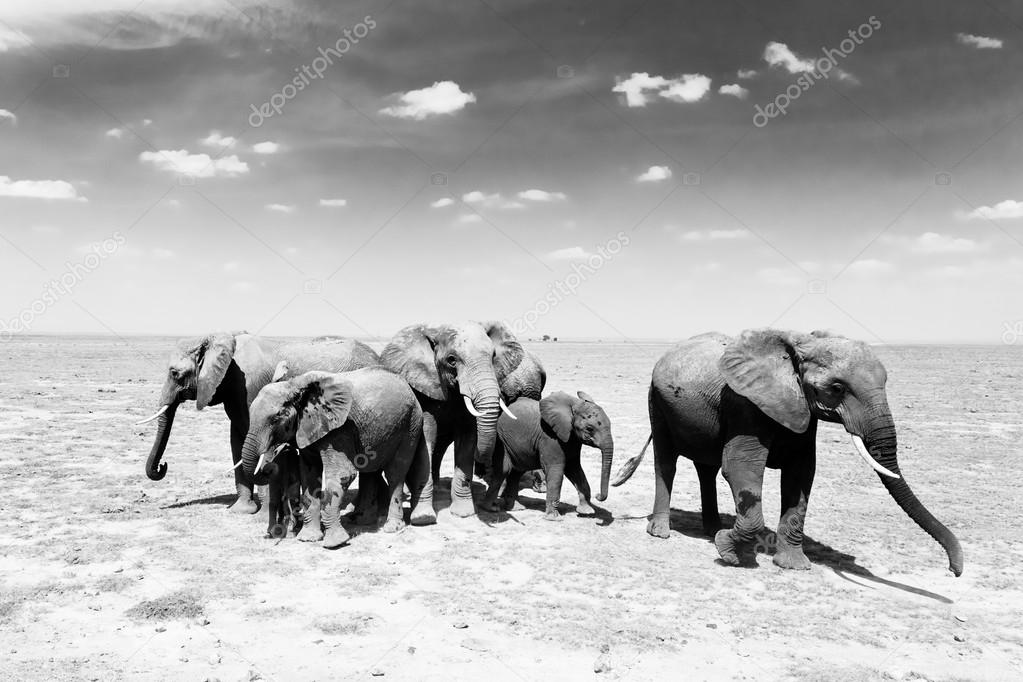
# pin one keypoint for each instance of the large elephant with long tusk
(463, 375)
(741, 404)
(230, 368)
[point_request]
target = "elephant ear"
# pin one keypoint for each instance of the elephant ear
(508, 352)
(410, 355)
(324, 401)
(761, 365)
(585, 396)
(556, 412)
(216, 352)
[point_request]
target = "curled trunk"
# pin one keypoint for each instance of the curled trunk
(251, 449)
(606, 457)
(156, 470)
(883, 446)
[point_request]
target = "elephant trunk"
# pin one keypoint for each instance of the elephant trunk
(479, 385)
(254, 446)
(883, 446)
(607, 452)
(156, 470)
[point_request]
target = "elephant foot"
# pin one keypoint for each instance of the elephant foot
(584, 509)
(244, 506)
(792, 558)
(335, 537)
(511, 504)
(659, 528)
(365, 518)
(462, 507)
(393, 526)
(732, 552)
(492, 505)
(277, 531)
(310, 533)
(424, 516)
(552, 516)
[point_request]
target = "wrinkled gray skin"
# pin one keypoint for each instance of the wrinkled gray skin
(549, 435)
(740, 404)
(230, 369)
(340, 425)
(445, 364)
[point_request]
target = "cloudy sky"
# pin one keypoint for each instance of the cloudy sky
(614, 169)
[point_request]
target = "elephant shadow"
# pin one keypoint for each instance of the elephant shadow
(539, 505)
(225, 500)
(840, 563)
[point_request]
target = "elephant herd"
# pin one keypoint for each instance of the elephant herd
(309, 418)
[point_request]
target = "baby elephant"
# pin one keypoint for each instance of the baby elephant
(342, 425)
(549, 435)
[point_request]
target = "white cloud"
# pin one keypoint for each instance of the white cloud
(569, 253)
(38, 189)
(281, 208)
(714, 235)
(746, 74)
(174, 202)
(6, 115)
(243, 287)
(779, 54)
(215, 139)
(734, 89)
(654, 174)
(334, 203)
(116, 133)
(1003, 209)
(443, 97)
(932, 242)
(490, 200)
(640, 86)
(442, 202)
(869, 266)
(200, 165)
(467, 218)
(266, 147)
(541, 195)
(979, 42)
(12, 38)
(690, 87)
(163, 254)
(232, 266)
(146, 122)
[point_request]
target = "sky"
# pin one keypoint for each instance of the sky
(615, 170)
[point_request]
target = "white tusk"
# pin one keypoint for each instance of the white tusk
(240, 462)
(862, 449)
(259, 464)
(279, 449)
(472, 410)
(149, 419)
(504, 408)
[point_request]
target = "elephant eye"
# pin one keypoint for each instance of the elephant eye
(837, 387)
(451, 359)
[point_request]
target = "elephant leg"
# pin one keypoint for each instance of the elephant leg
(311, 476)
(420, 484)
(338, 474)
(796, 481)
(743, 463)
(575, 474)
(431, 432)
(245, 504)
(277, 524)
(707, 474)
(367, 502)
(461, 482)
(665, 461)
(395, 487)
(510, 494)
(555, 475)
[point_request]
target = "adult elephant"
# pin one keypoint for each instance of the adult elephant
(230, 369)
(745, 403)
(463, 375)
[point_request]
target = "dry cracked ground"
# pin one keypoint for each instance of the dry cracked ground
(107, 575)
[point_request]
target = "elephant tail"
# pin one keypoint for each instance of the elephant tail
(629, 468)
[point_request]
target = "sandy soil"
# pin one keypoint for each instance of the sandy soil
(107, 575)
